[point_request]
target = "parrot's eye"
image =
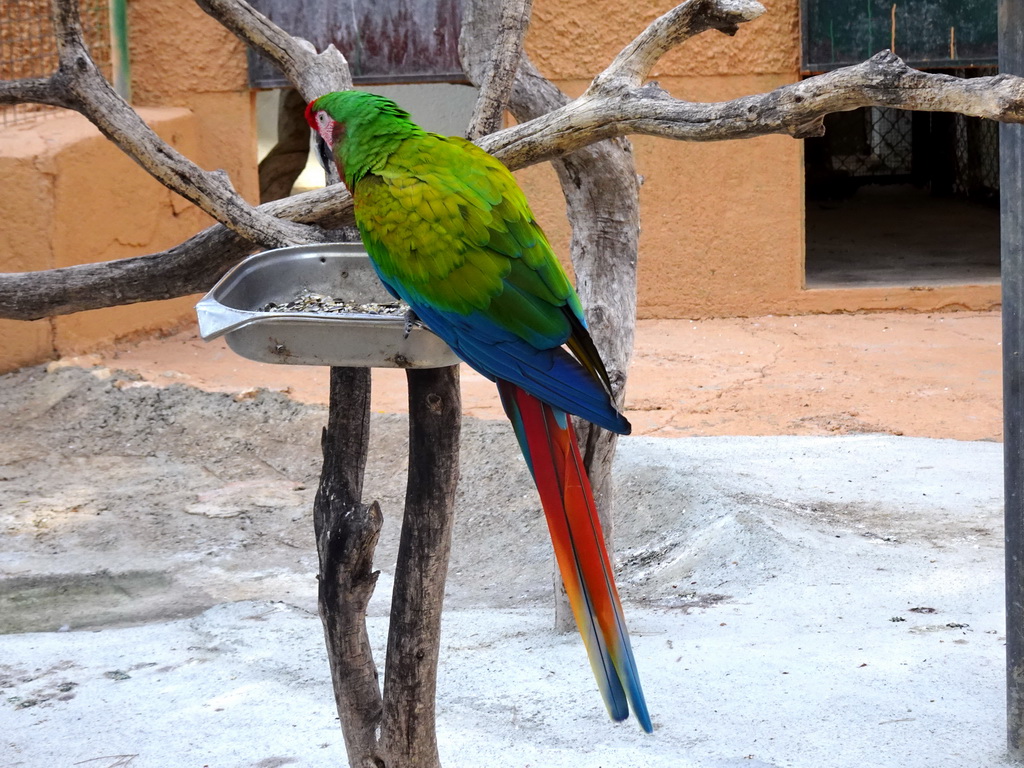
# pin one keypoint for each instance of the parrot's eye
(323, 119)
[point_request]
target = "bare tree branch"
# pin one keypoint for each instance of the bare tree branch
(346, 535)
(82, 87)
(797, 109)
(36, 90)
(190, 267)
(632, 66)
(312, 73)
(407, 729)
(283, 164)
(493, 70)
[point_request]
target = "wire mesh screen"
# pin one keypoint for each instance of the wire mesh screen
(976, 160)
(28, 48)
(880, 146)
(979, 167)
(949, 154)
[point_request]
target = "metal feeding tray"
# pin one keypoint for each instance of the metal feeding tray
(237, 308)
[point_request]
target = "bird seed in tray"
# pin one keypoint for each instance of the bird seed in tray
(308, 301)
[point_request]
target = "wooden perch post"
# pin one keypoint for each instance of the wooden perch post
(408, 736)
(346, 537)
(396, 729)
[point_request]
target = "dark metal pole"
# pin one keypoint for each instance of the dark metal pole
(1011, 186)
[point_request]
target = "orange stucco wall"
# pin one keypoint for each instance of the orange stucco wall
(182, 57)
(722, 223)
(70, 197)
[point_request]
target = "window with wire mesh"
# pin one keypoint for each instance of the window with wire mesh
(947, 153)
(28, 48)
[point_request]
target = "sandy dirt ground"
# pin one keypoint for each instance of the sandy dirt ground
(219, 456)
(924, 375)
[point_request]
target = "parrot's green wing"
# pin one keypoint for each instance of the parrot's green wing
(450, 232)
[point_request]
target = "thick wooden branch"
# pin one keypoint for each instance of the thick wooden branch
(631, 67)
(493, 69)
(190, 267)
(88, 92)
(312, 73)
(284, 163)
(36, 90)
(796, 110)
(407, 733)
(346, 536)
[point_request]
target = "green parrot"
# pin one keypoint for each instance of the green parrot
(450, 232)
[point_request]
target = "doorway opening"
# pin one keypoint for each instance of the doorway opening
(902, 198)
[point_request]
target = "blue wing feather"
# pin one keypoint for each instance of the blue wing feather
(552, 375)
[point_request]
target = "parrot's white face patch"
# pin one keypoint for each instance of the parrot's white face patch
(327, 128)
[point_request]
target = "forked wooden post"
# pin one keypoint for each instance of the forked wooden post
(346, 536)
(398, 728)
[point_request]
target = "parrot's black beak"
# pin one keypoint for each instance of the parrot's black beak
(324, 153)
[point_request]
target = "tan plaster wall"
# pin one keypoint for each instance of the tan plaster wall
(138, 215)
(722, 223)
(182, 57)
(24, 240)
(71, 197)
(576, 39)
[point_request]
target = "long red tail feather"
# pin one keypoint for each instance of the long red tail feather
(549, 445)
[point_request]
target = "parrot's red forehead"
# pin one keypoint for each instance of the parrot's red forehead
(311, 114)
